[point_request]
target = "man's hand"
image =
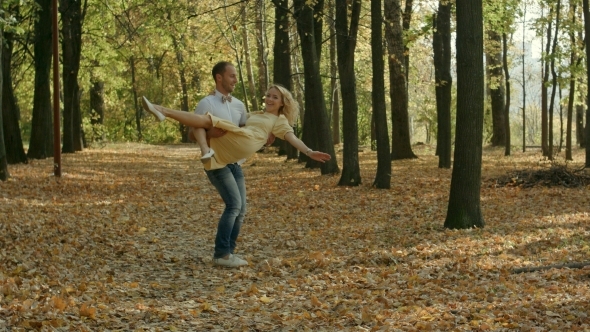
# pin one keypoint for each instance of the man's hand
(215, 132)
(270, 140)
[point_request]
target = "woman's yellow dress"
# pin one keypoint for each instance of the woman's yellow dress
(242, 142)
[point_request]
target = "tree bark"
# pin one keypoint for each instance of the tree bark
(496, 87)
(400, 137)
(334, 88)
(444, 82)
(71, 18)
(464, 209)
(261, 48)
(41, 143)
(3, 160)
(13, 143)
(572, 92)
(544, 97)
(97, 109)
(282, 59)
(346, 45)
(316, 127)
(248, 59)
(138, 110)
(587, 41)
(507, 84)
(176, 42)
(554, 81)
(383, 176)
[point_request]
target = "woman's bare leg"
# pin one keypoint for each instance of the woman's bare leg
(186, 118)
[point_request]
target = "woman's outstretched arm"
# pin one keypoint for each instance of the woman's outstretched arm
(299, 145)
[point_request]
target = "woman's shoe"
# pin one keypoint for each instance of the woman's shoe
(207, 156)
(150, 108)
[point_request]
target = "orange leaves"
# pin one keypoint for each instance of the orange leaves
(87, 311)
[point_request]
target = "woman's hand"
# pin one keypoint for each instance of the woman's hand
(319, 156)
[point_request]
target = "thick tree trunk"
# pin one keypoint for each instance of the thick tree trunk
(3, 160)
(401, 147)
(41, 143)
(71, 12)
(282, 60)
(406, 20)
(346, 45)
(444, 82)
(383, 176)
(464, 210)
(496, 87)
(13, 143)
(316, 130)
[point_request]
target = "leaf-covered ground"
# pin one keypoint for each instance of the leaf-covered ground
(123, 242)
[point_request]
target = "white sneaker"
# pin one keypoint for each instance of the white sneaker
(150, 108)
(207, 156)
(231, 261)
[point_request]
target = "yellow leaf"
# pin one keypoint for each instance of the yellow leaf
(265, 299)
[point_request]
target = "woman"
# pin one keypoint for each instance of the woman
(241, 142)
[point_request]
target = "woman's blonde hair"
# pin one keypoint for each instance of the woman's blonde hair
(290, 108)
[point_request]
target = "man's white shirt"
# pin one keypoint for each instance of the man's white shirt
(234, 110)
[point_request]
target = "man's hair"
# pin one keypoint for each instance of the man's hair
(219, 68)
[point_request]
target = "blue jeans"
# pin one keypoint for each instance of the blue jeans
(231, 185)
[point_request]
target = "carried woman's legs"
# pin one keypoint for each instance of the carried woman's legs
(201, 122)
(186, 118)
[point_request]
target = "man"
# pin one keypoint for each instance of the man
(229, 181)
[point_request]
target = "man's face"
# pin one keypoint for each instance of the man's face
(229, 79)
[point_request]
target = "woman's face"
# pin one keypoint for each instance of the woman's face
(273, 100)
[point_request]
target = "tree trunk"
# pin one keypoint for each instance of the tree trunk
(97, 109)
(523, 81)
(383, 176)
(316, 130)
(334, 88)
(507, 84)
(444, 82)
(71, 18)
(138, 109)
(176, 42)
(464, 210)
(248, 59)
(13, 143)
(544, 97)
(4, 175)
(41, 144)
(346, 45)
(406, 20)
(580, 125)
(400, 137)
(587, 41)
(554, 82)
(261, 46)
(282, 59)
(496, 87)
(572, 92)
